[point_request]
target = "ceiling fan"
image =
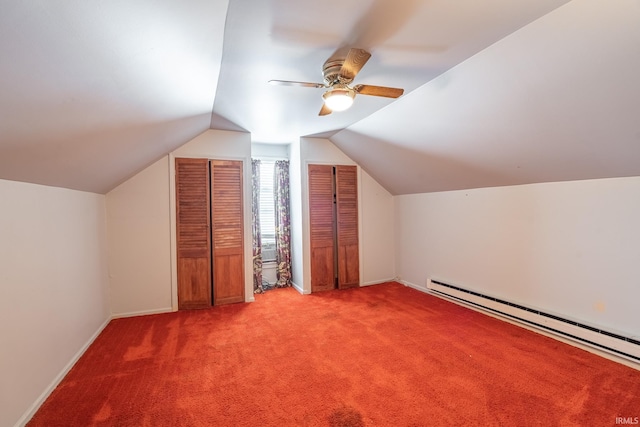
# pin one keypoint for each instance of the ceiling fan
(338, 76)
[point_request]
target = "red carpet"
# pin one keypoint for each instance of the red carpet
(384, 355)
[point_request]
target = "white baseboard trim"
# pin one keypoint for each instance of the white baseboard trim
(142, 313)
(378, 282)
(557, 337)
(414, 286)
(45, 394)
(298, 288)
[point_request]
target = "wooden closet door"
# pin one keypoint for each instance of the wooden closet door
(321, 227)
(228, 231)
(193, 233)
(347, 226)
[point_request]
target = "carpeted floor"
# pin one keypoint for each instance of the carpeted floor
(384, 355)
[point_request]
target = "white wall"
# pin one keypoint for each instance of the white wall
(53, 289)
(295, 194)
(141, 221)
(141, 227)
(220, 145)
(375, 212)
(319, 151)
(571, 248)
(138, 220)
(275, 151)
(378, 240)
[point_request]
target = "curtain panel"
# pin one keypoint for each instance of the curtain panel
(255, 226)
(282, 214)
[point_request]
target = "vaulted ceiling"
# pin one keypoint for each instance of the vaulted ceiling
(497, 92)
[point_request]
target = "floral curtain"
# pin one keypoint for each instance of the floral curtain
(255, 226)
(283, 233)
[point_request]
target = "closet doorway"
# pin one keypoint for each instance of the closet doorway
(333, 225)
(210, 233)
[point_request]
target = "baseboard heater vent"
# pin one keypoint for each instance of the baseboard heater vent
(608, 341)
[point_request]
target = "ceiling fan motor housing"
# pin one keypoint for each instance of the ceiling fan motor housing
(331, 72)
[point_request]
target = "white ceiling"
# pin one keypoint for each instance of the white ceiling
(558, 100)
(497, 92)
(92, 92)
(411, 41)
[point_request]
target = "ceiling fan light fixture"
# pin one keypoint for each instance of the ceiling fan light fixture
(339, 97)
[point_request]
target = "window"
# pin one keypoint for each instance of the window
(267, 208)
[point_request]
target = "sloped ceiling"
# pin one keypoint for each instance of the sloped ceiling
(557, 100)
(92, 92)
(497, 92)
(411, 41)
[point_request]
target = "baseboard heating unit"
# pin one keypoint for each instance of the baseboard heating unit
(626, 347)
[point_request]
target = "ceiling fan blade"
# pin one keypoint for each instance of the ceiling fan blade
(290, 83)
(353, 63)
(324, 111)
(387, 92)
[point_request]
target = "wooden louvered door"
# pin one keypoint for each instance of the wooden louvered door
(347, 227)
(228, 231)
(321, 225)
(193, 233)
